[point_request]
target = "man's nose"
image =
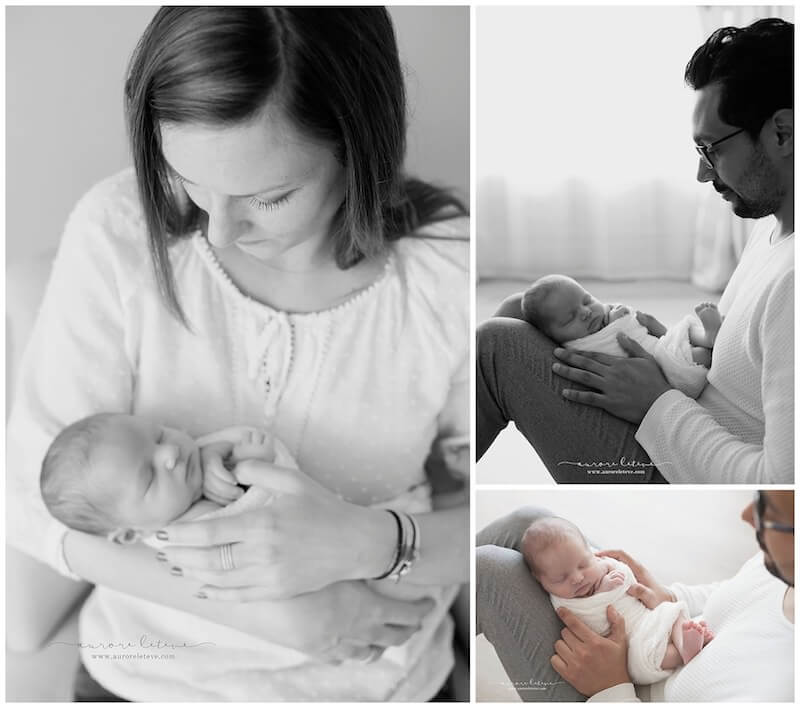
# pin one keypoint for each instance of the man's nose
(704, 172)
(747, 514)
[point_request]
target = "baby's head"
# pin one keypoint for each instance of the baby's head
(562, 309)
(111, 473)
(560, 559)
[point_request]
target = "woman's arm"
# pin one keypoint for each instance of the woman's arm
(340, 622)
(306, 538)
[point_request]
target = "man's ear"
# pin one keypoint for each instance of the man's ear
(781, 126)
(124, 536)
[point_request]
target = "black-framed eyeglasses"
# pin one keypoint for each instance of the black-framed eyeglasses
(759, 503)
(705, 150)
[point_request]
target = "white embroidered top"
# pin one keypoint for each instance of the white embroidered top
(359, 394)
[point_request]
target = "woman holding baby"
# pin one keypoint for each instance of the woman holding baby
(267, 263)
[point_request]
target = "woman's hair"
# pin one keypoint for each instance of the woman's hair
(335, 71)
(753, 66)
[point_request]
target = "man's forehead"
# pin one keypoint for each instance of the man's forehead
(706, 123)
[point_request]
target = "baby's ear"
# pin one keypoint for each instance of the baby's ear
(124, 536)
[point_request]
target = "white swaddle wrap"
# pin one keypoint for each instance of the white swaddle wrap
(673, 352)
(648, 630)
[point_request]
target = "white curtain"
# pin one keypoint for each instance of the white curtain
(584, 160)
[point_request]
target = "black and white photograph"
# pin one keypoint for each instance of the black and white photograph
(635, 245)
(619, 594)
(238, 353)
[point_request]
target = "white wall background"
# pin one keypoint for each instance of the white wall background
(65, 68)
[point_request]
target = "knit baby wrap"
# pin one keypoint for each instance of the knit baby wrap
(648, 630)
(673, 352)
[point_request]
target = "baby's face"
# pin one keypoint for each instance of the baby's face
(569, 569)
(151, 473)
(571, 312)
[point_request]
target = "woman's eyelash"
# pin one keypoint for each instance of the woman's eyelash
(259, 204)
(269, 206)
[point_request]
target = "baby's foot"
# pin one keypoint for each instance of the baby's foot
(708, 635)
(709, 315)
(693, 640)
(254, 444)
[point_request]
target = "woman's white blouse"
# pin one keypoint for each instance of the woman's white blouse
(359, 393)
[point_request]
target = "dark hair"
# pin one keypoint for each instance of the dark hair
(753, 66)
(336, 72)
(63, 480)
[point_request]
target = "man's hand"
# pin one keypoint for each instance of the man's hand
(625, 387)
(646, 589)
(586, 660)
(651, 324)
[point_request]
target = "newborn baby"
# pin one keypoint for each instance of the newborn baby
(122, 476)
(561, 308)
(659, 640)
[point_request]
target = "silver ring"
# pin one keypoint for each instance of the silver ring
(226, 556)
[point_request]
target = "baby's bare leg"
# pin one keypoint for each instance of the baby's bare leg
(672, 658)
(702, 356)
(709, 316)
(686, 640)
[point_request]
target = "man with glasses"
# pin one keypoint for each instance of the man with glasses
(741, 427)
(751, 657)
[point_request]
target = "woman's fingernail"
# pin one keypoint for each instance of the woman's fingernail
(175, 570)
(201, 595)
(161, 556)
(162, 535)
(556, 367)
(558, 351)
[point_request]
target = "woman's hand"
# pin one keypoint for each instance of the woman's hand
(586, 660)
(351, 621)
(624, 387)
(646, 589)
(305, 538)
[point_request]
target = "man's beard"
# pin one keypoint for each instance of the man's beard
(769, 564)
(761, 182)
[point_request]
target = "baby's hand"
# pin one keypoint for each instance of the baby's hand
(219, 484)
(616, 312)
(611, 580)
(254, 444)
